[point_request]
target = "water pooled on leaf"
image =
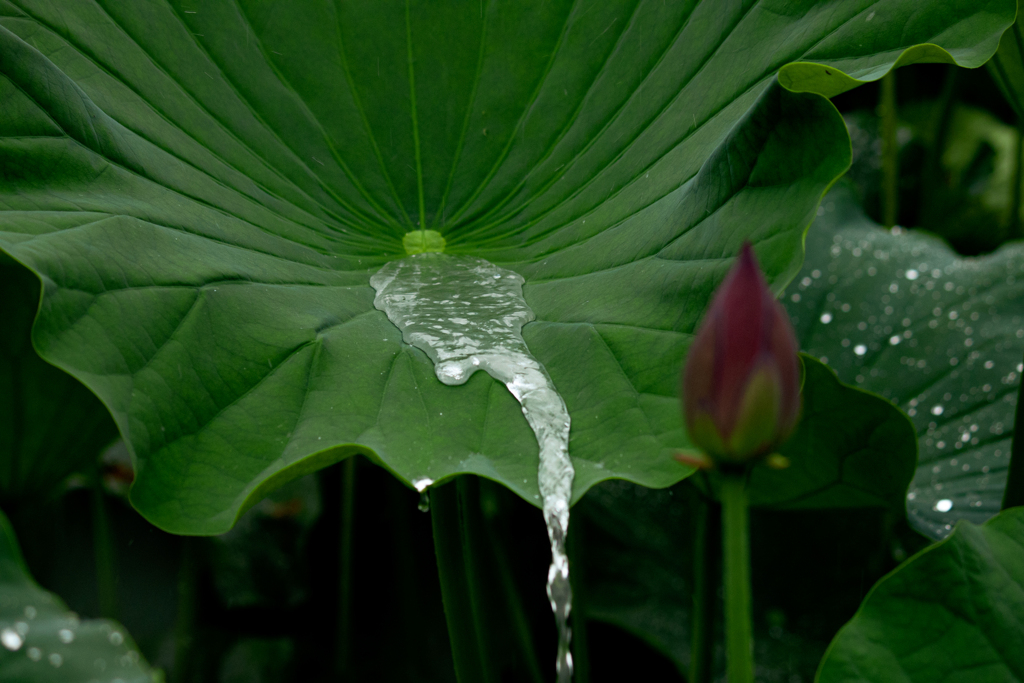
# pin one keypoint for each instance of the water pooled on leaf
(467, 314)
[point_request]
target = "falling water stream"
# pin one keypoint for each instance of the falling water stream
(467, 315)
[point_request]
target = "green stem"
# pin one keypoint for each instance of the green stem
(706, 552)
(185, 623)
(576, 548)
(451, 519)
(514, 603)
(348, 507)
(890, 152)
(1013, 496)
(103, 549)
(738, 628)
(931, 178)
(1013, 226)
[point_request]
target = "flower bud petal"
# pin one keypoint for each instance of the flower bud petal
(756, 423)
(741, 383)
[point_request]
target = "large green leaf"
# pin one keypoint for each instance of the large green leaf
(50, 425)
(206, 189)
(939, 335)
(953, 612)
(41, 641)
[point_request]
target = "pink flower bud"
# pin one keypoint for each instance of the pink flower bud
(741, 384)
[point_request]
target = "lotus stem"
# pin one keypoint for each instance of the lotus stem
(1013, 495)
(456, 524)
(580, 642)
(1013, 227)
(513, 601)
(348, 507)
(706, 553)
(931, 177)
(735, 541)
(103, 550)
(185, 622)
(890, 152)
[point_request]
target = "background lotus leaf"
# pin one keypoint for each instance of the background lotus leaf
(939, 335)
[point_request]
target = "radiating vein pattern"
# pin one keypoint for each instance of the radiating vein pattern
(205, 189)
(587, 110)
(467, 314)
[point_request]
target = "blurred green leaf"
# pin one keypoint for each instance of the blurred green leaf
(938, 335)
(953, 612)
(40, 640)
(50, 425)
(257, 660)
(260, 562)
(207, 188)
(975, 183)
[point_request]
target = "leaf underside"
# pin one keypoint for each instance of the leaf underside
(204, 191)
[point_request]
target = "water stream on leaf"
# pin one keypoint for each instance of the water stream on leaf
(467, 314)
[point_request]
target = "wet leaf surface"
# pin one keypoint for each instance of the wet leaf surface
(42, 641)
(939, 335)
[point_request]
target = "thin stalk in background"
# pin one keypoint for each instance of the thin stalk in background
(348, 507)
(456, 568)
(890, 152)
(1013, 495)
(932, 181)
(514, 604)
(735, 541)
(185, 623)
(706, 552)
(103, 550)
(1013, 226)
(576, 547)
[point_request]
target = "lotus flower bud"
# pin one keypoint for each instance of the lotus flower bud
(741, 383)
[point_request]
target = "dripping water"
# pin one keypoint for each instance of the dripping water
(467, 314)
(423, 487)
